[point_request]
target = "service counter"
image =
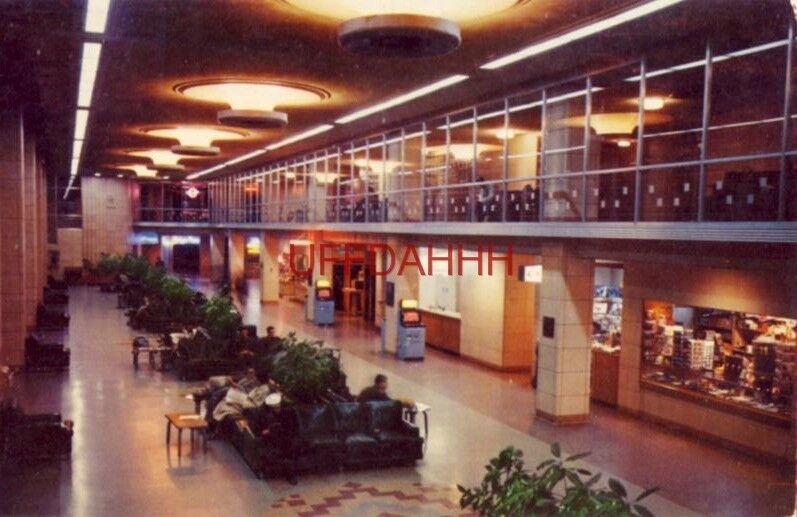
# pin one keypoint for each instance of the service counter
(442, 329)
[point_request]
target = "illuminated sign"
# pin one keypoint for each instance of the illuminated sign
(531, 274)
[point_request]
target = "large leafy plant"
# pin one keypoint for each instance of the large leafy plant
(556, 487)
(109, 265)
(178, 299)
(306, 372)
(221, 318)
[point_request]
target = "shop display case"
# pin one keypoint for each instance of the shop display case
(607, 312)
(739, 362)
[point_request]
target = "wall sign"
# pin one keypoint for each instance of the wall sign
(530, 274)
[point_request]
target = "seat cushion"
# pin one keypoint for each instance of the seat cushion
(316, 421)
(361, 446)
(352, 417)
(385, 414)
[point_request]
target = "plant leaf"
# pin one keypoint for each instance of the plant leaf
(646, 493)
(617, 487)
(578, 456)
(556, 450)
(642, 511)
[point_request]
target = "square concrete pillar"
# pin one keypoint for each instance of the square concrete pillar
(237, 248)
(269, 269)
(564, 330)
(217, 243)
(13, 313)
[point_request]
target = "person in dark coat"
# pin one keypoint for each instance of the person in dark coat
(376, 392)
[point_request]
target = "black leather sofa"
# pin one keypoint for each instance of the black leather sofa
(27, 438)
(44, 352)
(333, 436)
(52, 316)
(51, 296)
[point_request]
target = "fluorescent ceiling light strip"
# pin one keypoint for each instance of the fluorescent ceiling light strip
(580, 33)
(88, 73)
(513, 109)
(300, 136)
(77, 149)
(715, 59)
(69, 186)
(81, 120)
(97, 16)
(401, 99)
(256, 152)
(74, 166)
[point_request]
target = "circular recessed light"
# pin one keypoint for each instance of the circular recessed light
(120, 175)
(162, 159)
(252, 103)
(140, 170)
(97, 174)
(404, 28)
(195, 140)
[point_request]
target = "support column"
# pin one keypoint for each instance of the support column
(564, 331)
(269, 269)
(216, 243)
(12, 298)
(237, 245)
(31, 233)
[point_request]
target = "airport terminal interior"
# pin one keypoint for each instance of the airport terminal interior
(398, 257)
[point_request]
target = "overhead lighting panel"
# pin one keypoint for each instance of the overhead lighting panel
(582, 32)
(81, 120)
(300, 136)
(405, 29)
(252, 103)
(247, 156)
(162, 159)
(195, 140)
(97, 15)
(404, 98)
(88, 73)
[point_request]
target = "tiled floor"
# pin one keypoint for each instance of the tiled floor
(121, 466)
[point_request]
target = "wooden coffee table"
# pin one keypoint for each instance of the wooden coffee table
(190, 421)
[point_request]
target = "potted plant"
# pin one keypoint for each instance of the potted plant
(556, 487)
(306, 372)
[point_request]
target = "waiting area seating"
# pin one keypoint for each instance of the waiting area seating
(332, 436)
(26, 438)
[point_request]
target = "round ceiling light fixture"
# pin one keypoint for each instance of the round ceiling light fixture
(402, 28)
(195, 140)
(140, 170)
(163, 160)
(252, 103)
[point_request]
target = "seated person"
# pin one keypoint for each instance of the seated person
(276, 426)
(248, 382)
(376, 392)
(270, 343)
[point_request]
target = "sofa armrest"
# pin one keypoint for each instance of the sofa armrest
(408, 428)
(42, 418)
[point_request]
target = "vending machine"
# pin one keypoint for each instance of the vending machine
(411, 332)
(324, 303)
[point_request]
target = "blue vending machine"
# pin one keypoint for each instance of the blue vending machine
(411, 332)
(324, 303)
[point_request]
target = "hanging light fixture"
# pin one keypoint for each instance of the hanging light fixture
(402, 28)
(163, 160)
(252, 103)
(140, 170)
(195, 140)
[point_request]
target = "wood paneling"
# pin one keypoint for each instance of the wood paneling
(107, 216)
(442, 331)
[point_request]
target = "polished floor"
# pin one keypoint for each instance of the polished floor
(121, 466)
